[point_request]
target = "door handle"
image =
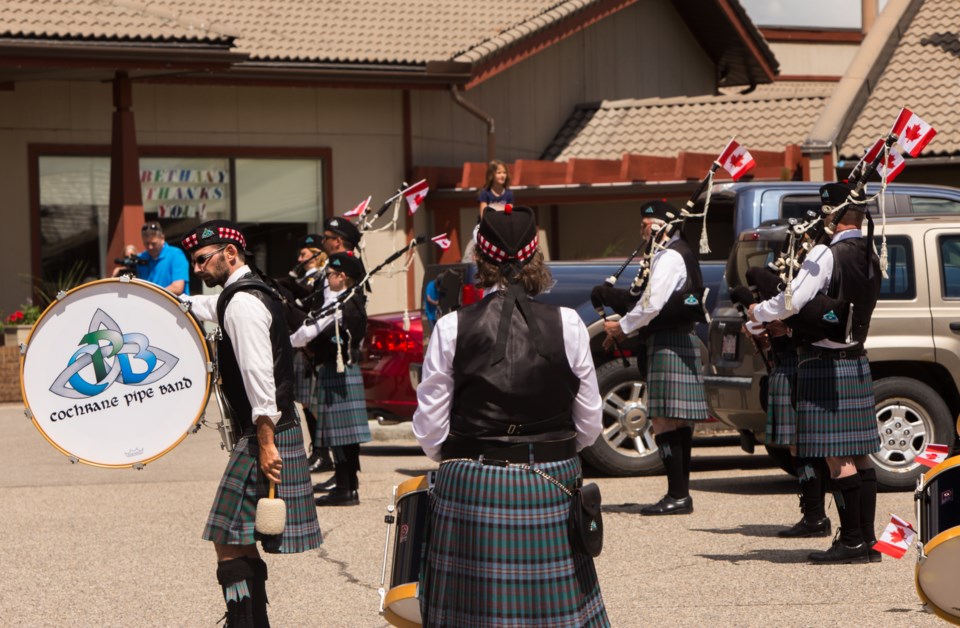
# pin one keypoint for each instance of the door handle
(955, 326)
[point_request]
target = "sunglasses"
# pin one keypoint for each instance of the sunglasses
(201, 260)
(150, 226)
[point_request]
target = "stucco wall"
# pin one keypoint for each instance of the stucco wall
(810, 59)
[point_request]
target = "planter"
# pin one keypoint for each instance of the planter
(16, 335)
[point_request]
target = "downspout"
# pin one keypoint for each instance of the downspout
(484, 117)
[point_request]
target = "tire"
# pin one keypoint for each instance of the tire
(626, 445)
(910, 415)
(782, 458)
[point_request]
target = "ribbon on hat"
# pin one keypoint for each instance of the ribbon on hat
(516, 296)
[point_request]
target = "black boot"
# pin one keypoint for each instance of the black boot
(686, 444)
(322, 462)
(236, 577)
(677, 501)
(848, 544)
(814, 521)
(258, 592)
(868, 510)
(342, 494)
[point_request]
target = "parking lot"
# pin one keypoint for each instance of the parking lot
(94, 547)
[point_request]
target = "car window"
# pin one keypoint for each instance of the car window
(931, 205)
(950, 266)
(796, 206)
(900, 283)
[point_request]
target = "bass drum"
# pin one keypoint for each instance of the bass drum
(116, 373)
(938, 520)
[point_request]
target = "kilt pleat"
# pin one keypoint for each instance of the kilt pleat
(234, 511)
(675, 377)
(340, 407)
(302, 378)
(836, 410)
(499, 553)
(782, 401)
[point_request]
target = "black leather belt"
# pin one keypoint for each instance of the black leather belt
(520, 453)
(853, 353)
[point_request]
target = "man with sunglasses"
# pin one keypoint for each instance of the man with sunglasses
(256, 363)
(161, 263)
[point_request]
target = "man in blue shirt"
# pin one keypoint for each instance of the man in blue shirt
(165, 265)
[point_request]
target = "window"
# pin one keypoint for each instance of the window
(798, 206)
(900, 284)
(928, 205)
(950, 266)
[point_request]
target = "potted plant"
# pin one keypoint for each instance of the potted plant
(17, 326)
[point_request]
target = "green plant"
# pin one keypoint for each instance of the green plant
(26, 315)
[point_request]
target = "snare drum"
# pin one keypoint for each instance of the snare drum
(115, 373)
(401, 605)
(938, 523)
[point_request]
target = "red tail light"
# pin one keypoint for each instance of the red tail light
(384, 341)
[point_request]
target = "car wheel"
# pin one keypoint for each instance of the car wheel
(782, 457)
(910, 416)
(626, 445)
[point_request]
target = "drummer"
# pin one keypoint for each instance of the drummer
(260, 394)
(508, 386)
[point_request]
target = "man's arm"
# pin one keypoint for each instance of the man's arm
(270, 462)
(176, 287)
(179, 271)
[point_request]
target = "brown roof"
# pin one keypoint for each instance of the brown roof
(769, 118)
(923, 75)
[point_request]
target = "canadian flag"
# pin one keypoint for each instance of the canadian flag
(736, 160)
(933, 455)
(891, 167)
(897, 538)
(912, 132)
(415, 195)
(442, 241)
(359, 209)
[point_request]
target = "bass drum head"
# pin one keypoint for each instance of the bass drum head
(936, 577)
(115, 374)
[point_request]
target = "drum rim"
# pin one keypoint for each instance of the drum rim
(413, 485)
(395, 594)
(208, 378)
(939, 539)
(949, 463)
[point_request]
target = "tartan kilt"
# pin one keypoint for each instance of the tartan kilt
(234, 512)
(782, 402)
(836, 410)
(302, 378)
(340, 407)
(499, 553)
(675, 377)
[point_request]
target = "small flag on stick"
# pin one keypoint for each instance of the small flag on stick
(442, 241)
(912, 132)
(415, 194)
(897, 538)
(359, 209)
(736, 160)
(933, 455)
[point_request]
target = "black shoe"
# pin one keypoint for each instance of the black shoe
(806, 529)
(669, 506)
(321, 465)
(840, 553)
(327, 485)
(339, 498)
(874, 555)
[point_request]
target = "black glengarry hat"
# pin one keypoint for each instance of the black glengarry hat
(347, 263)
(311, 241)
(343, 228)
(214, 232)
(659, 210)
(508, 235)
(835, 194)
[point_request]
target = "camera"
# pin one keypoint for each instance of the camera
(130, 262)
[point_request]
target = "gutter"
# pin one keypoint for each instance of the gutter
(44, 53)
(851, 93)
(486, 118)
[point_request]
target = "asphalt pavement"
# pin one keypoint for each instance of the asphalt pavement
(96, 547)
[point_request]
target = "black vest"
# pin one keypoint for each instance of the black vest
(856, 279)
(282, 357)
(353, 327)
(672, 316)
(525, 397)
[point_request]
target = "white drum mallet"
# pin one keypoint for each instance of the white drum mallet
(271, 514)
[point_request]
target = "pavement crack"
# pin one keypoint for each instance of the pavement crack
(342, 567)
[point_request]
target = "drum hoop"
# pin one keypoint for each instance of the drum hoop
(206, 353)
(953, 619)
(413, 485)
(940, 468)
(400, 592)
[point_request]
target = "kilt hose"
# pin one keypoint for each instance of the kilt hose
(836, 410)
(782, 400)
(233, 515)
(340, 407)
(675, 377)
(499, 552)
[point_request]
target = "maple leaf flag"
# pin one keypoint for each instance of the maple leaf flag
(933, 455)
(897, 538)
(442, 241)
(893, 166)
(359, 209)
(736, 160)
(912, 132)
(415, 194)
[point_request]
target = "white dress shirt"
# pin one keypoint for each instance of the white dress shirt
(309, 331)
(667, 275)
(813, 277)
(247, 323)
(431, 420)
